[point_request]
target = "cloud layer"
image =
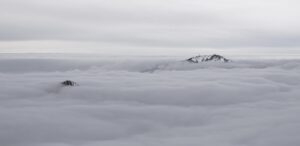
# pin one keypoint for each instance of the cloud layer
(214, 24)
(250, 103)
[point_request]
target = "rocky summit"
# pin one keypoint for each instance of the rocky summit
(207, 58)
(69, 83)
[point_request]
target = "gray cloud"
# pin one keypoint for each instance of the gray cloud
(168, 24)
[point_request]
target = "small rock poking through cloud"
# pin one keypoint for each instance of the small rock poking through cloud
(69, 83)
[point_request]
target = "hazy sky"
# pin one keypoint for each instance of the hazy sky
(150, 26)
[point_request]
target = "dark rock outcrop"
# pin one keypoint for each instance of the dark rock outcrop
(69, 83)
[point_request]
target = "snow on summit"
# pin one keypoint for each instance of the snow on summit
(207, 58)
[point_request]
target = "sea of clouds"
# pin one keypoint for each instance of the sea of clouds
(148, 101)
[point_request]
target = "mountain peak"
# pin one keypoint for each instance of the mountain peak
(207, 58)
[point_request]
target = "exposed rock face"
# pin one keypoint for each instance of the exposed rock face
(69, 83)
(207, 58)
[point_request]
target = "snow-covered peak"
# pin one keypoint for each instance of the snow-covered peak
(207, 58)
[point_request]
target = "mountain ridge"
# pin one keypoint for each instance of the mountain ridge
(207, 58)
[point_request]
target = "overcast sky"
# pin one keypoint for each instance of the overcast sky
(157, 27)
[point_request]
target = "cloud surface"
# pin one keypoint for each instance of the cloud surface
(250, 103)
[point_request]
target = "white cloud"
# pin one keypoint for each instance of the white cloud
(251, 103)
